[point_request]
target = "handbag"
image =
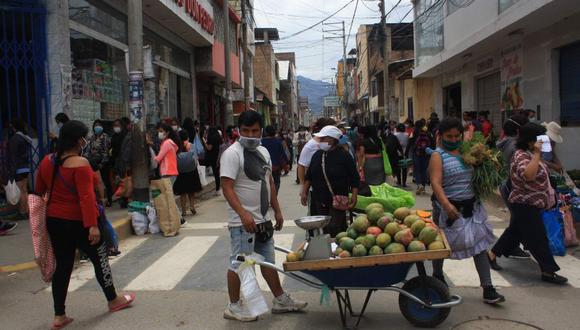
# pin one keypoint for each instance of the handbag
(265, 231)
(43, 253)
(339, 202)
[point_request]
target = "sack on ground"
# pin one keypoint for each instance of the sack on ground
(250, 290)
(43, 253)
(166, 208)
(553, 224)
(12, 192)
(140, 223)
(153, 222)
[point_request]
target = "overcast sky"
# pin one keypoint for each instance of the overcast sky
(316, 57)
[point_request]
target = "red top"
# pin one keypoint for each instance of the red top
(485, 128)
(79, 205)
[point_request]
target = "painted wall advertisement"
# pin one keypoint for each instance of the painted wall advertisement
(511, 78)
(136, 95)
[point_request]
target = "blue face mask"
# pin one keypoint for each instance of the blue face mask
(450, 146)
(98, 130)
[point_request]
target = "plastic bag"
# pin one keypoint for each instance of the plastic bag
(139, 222)
(390, 197)
(249, 289)
(386, 162)
(153, 223)
(553, 224)
(201, 172)
(570, 237)
(12, 192)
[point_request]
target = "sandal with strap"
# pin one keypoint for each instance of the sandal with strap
(130, 298)
(59, 326)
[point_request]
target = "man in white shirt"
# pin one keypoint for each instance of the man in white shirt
(248, 187)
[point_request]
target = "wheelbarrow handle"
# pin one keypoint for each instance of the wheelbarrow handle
(282, 249)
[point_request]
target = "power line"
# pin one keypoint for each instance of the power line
(318, 23)
(351, 22)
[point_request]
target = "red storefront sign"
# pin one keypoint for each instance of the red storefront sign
(196, 11)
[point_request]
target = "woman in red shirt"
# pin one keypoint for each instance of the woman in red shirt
(72, 219)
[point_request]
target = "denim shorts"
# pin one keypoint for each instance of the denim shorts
(242, 242)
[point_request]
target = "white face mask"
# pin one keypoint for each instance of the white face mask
(174, 127)
(161, 135)
(324, 146)
(117, 129)
(250, 143)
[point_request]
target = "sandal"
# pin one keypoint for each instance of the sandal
(130, 298)
(193, 211)
(66, 322)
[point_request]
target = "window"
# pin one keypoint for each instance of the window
(374, 88)
(505, 4)
(429, 27)
(570, 85)
(99, 18)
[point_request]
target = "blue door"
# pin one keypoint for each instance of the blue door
(23, 80)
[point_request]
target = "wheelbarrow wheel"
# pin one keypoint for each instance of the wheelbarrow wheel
(428, 289)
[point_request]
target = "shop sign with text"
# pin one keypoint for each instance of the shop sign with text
(196, 11)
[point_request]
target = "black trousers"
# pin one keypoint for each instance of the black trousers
(337, 223)
(215, 169)
(527, 226)
(66, 236)
(106, 177)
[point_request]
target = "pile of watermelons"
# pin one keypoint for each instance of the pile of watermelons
(378, 232)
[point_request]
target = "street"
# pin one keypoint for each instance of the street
(180, 283)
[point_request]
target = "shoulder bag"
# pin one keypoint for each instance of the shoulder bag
(339, 202)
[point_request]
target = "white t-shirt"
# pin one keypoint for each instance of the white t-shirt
(310, 148)
(248, 191)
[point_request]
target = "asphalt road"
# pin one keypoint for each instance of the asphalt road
(180, 283)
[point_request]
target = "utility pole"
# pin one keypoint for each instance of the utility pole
(245, 52)
(229, 115)
(386, 107)
(139, 151)
(343, 37)
(344, 73)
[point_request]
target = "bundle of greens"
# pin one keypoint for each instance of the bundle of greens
(488, 169)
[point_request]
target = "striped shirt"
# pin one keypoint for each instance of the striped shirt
(534, 193)
(456, 177)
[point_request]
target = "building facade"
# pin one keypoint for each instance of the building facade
(502, 57)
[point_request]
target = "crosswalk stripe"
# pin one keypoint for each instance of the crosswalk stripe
(169, 269)
(283, 240)
(86, 272)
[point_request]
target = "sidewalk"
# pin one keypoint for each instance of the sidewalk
(16, 251)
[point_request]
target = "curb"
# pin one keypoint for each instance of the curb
(122, 226)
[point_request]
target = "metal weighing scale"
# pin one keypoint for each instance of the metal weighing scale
(317, 243)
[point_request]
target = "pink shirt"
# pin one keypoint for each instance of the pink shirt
(167, 158)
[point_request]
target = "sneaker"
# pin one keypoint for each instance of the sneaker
(235, 311)
(490, 296)
(518, 253)
(83, 258)
(6, 227)
(554, 278)
(420, 190)
(285, 303)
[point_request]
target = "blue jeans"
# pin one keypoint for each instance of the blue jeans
(245, 243)
(420, 164)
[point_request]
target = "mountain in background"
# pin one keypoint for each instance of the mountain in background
(315, 90)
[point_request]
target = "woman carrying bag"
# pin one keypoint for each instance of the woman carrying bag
(187, 183)
(72, 219)
(333, 175)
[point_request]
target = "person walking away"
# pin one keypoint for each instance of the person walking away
(167, 160)
(287, 137)
(456, 210)
(433, 124)
(332, 173)
(187, 183)
(212, 151)
(370, 158)
(309, 149)
(72, 219)
(394, 151)
(60, 119)
(115, 159)
(19, 164)
(507, 146)
(403, 138)
(531, 194)
(421, 141)
(250, 192)
(277, 154)
(97, 153)
(299, 141)
(125, 162)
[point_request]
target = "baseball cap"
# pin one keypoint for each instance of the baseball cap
(331, 131)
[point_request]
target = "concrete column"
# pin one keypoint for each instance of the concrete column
(194, 95)
(59, 55)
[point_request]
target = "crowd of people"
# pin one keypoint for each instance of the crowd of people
(336, 163)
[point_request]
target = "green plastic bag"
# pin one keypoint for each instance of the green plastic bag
(390, 197)
(386, 162)
(136, 206)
